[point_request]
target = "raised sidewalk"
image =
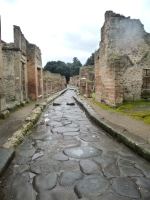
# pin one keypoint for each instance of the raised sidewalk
(136, 143)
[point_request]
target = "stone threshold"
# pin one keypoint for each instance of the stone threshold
(137, 144)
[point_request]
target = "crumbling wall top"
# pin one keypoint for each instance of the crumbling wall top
(19, 39)
(110, 13)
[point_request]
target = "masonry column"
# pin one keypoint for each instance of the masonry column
(2, 93)
(89, 86)
(82, 86)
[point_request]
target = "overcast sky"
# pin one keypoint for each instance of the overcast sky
(64, 29)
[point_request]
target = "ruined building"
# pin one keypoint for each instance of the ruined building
(34, 71)
(2, 94)
(53, 82)
(122, 63)
(22, 67)
(74, 80)
(86, 77)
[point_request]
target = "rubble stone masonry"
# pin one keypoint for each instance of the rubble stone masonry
(53, 82)
(87, 78)
(22, 69)
(75, 81)
(122, 60)
(2, 94)
(87, 72)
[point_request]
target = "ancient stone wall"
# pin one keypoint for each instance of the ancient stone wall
(15, 68)
(19, 40)
(87, 72)
(119, 63)
(9, 74)
(22, 65)
(53, 82)
(89, 89)
(71, 81)
(2, 94)
(75, 81)
(82, 88)
(1, 63)
(87, 78)
(35, 73)
(63, 82)
(98, 84)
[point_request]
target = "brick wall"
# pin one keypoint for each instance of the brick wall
(124, 53)
(35, 74)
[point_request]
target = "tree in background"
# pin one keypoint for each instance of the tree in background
(58, 67)
(75, 67)
(64, 69)
(90, 60)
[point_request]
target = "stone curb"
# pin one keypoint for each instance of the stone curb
(137, 144)
(6, 156)
(7, 152)
(20, 134)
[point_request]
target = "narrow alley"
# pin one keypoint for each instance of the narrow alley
(67, 157)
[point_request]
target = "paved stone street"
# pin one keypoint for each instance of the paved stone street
(66, 157)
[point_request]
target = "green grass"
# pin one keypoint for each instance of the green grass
(32, 101)
(93, 95)
(137, 109)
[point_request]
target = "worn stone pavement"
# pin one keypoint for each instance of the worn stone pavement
(66, 157)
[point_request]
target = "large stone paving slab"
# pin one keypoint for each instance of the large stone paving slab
(18, 179)
(111, 170)
(69, 178)
(113, 197)
(20, 168)
(27, 153)
(90, 167)
(92, 185)
(71, 133)
(82, 152)
(45, 181)
(89, 138)
(56, 195)
(70, 165)
(70, 143)
(60, 157)
(23, 191)
(44, 166)
(104, 160)
(40, 135)
(145, 167)
(130, 171)
(64, 129)
(144, 185)
(124, 186)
